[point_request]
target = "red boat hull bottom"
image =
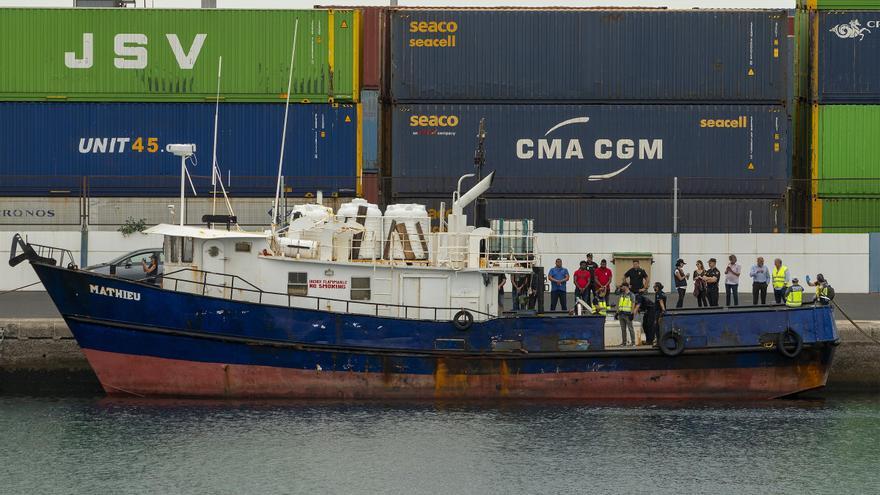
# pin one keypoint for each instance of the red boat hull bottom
(126, 374)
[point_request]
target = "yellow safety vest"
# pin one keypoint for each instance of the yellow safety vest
(779, 277)
(795, 297)
(625, 304)
(821, 292)
(601, 308)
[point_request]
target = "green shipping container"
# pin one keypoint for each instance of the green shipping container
(840, 4)
(848, 216)
(172, 55)
(847, 151)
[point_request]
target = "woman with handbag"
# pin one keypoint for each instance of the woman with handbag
(700, 289)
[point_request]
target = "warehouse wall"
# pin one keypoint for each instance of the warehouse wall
(842, 258)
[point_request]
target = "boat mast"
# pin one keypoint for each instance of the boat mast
(214, 160)
(284, 129)
(216, 175)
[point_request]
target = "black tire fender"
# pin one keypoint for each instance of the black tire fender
(790, 343)
(463, 320)
(673, 337)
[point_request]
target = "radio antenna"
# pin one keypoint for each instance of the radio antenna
(284, 128)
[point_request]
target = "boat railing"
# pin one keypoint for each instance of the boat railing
(237, 283)
(500, 251)
(61, 256)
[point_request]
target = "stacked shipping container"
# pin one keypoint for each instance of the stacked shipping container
(600, 107)
(846, 118)
(92, 96)
(372, 34)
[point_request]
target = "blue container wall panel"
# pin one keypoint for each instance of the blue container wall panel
(120, 147)
(726, 150)
(370, 126)
(652, 215)
(589, 55)
(849, 51)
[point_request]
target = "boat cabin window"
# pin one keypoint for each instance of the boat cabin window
(360, 288)
(242, 247)
(178, 249)
(186, 255)
(298, 283)
(172, 249)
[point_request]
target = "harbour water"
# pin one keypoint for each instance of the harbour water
(99, 445)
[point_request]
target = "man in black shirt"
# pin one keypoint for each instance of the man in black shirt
(591, 287)
(502, 279)
(712, 277)
(637, 278)
(521, 283)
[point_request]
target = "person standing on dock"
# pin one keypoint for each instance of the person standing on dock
(637, 278)
(700, 285)
(626, 307)
(602, 277)
(502, 279)
(681, 282)
(780, 280)
(582, 281)
(653, 311)
(731, 281)
(520, 294)
(712, 277)
(794, 295)
(760, 278)
(591, 287)
(558, 277)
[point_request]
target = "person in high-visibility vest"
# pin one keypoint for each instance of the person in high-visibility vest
(600, 302)
(626, 308)
(823, 290)
(794, 295)
(780, 280)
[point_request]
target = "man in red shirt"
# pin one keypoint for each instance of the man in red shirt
(582, 282)
(602, 277)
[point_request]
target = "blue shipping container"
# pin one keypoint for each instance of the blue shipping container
(370, 125)
(849, 49)
(590, 55)
(120, 147)
(624, 150)
(651, 215)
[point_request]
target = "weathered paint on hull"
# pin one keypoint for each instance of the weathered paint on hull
(126, 374)
(201, 346)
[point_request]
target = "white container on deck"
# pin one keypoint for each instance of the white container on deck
(368, 245)
(317, 213)
(407, 227)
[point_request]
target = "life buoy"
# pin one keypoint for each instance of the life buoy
(790, 343)
(463, 320)
(672, 343)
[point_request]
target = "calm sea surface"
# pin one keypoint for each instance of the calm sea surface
(103, 446)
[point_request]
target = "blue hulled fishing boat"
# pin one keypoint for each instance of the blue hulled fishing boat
(362, 303)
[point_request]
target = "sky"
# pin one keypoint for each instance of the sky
(301, 4)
